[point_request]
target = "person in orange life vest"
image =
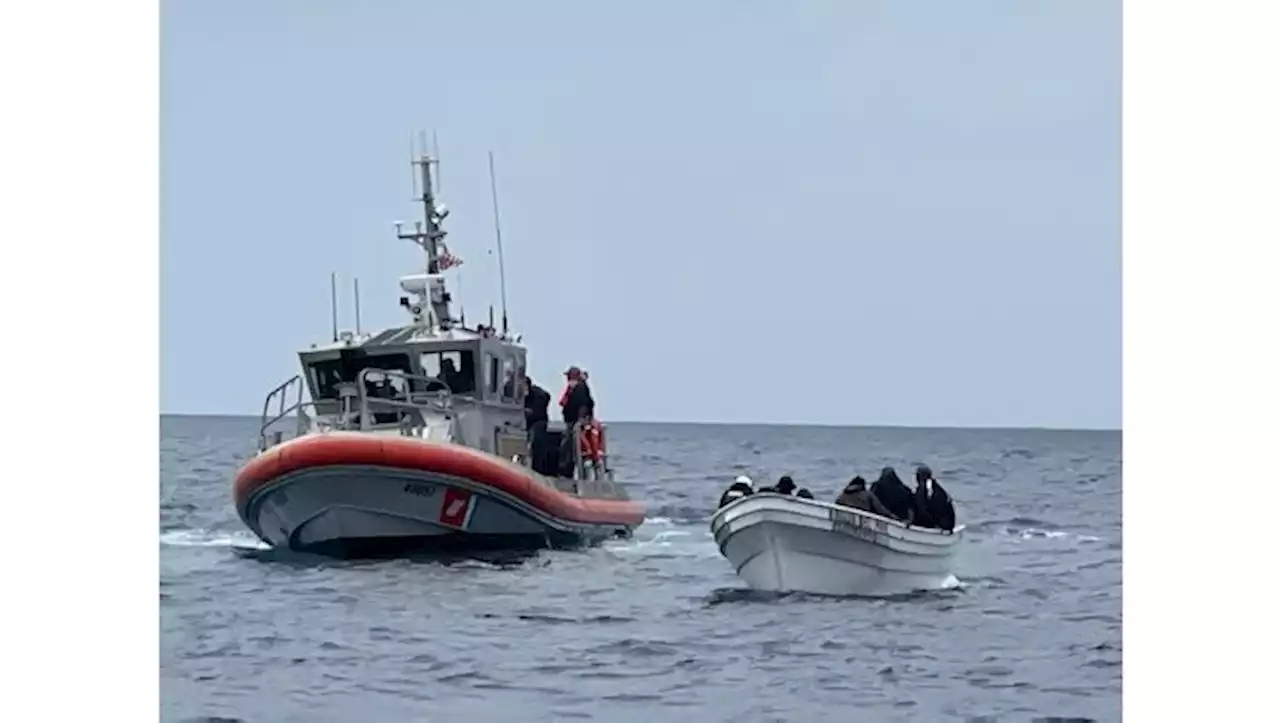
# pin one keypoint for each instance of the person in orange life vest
(576, 398)
(574, 401)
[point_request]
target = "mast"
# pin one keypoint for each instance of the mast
(428, 234)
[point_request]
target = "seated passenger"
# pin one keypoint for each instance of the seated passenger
(855, 495)
(740, 488)
(785, 486)
(933, 505)
(891, 498)
(805, 493)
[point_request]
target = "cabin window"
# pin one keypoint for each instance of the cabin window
(494, 373)
(455, 368)
(510, 382)
(328, 374)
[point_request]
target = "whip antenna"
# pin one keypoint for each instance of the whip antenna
(497, 232)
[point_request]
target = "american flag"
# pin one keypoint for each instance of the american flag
(447, 260)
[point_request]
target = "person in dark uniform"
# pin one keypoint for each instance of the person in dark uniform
(576, 400)
(576, 405)
(449, 375)
(891, 498)
(933, 506)
(803, 492)
(536, 401)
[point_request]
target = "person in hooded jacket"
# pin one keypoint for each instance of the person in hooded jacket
(740, 488)
(855, 495)
(892, 498)
(785, 486)
(933, 505)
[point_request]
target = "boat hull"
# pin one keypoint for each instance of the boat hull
(356, 495)
(787, 544)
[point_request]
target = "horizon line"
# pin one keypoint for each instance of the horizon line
(722, 423)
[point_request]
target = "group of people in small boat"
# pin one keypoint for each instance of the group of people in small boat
(577, 408)
(928, 506)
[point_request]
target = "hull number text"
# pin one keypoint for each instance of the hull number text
(856, 525)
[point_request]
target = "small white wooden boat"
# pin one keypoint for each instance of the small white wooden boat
(780, 543)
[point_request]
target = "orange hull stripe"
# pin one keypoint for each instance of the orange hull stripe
(362, 449)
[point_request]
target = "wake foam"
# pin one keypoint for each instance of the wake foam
(667, 540)
(1026, 528)
(206, 538)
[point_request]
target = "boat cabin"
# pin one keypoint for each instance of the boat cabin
(478, 372)
(463, 362)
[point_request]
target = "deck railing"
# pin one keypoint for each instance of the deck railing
(405, 407)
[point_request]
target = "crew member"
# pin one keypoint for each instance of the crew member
(855, 495)
(576, 398)
(740, 488)
(536, 401)
(933, 505)
(449, 374)
(804, 493)
(892, 498)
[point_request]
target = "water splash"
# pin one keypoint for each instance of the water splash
(667, 541)
(1027, 528)
(205, 538)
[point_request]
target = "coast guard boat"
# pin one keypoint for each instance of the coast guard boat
(781, 543)
(413, 438)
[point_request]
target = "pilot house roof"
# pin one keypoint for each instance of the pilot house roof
(410, 334)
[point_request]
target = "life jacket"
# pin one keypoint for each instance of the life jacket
(591, 440)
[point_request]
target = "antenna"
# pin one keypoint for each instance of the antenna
(462, 308)
(333, 302)
(356, 283)
(435, 152)
(497, 231)
(413, 169)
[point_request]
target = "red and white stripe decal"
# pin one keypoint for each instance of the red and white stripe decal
(455, 509)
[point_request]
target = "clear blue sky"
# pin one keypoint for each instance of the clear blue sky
(831, 212)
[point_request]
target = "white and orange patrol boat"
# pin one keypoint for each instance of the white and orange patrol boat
(414, 439)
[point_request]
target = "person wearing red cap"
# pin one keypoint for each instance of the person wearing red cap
(578, 408)
(576, 399)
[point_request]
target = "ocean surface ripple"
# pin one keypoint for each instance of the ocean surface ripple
(659, 627)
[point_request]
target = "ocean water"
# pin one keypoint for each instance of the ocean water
(659, 628)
